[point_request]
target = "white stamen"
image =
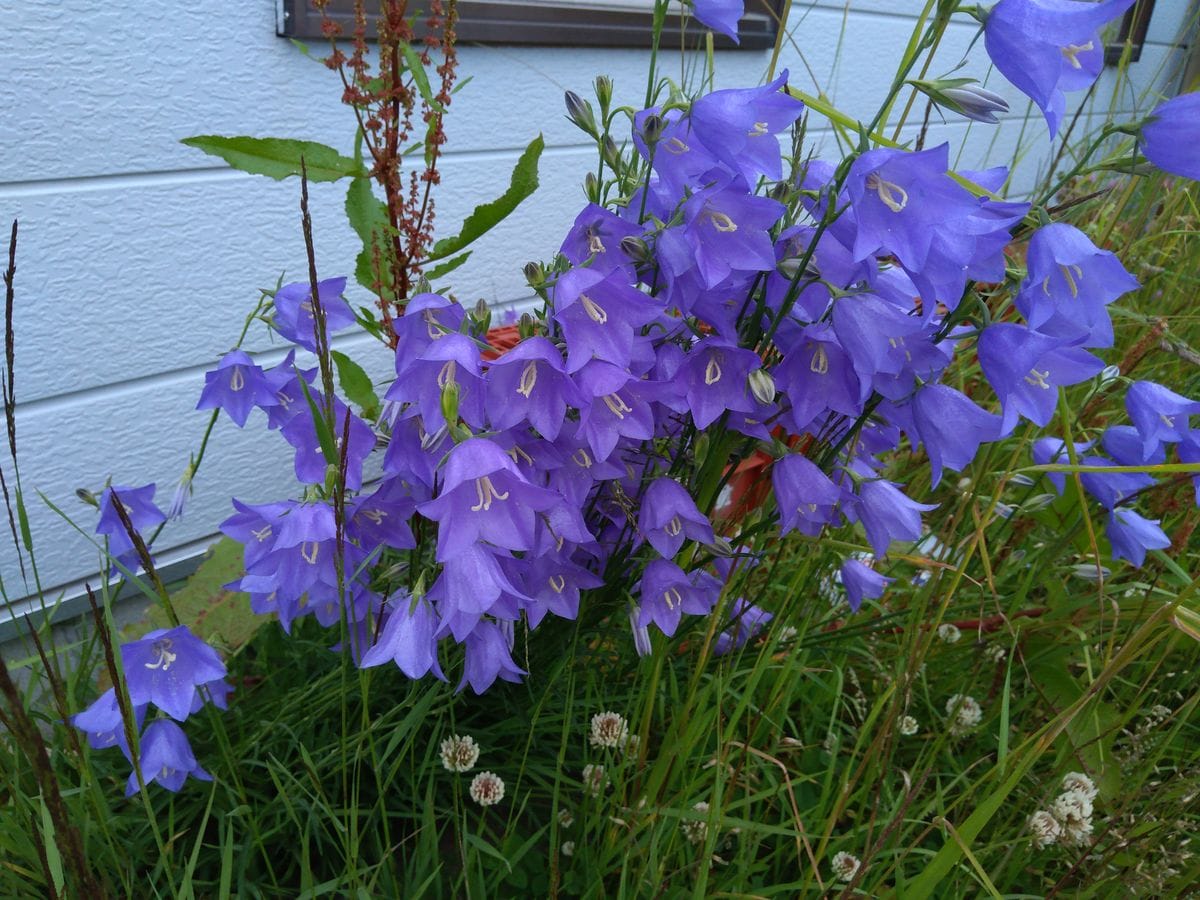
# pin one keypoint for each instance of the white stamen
(310, 555)
(486, 492)
(672, 597)
(676, 146)
(712, 371)
(1074, 288)
(528, 378)
(446, 374)
(722, 222)
(558, 583)
(760, 128)
(163, 657)
(582, 459)
(595, 245)
(1038, 379)
(375, 515)
(1072, 50)
(594, 310)
(673, 527)
(237, 380)
(893, 196)
(616, 405)
(262, 534)
(820, 361)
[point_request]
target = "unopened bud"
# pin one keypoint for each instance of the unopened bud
(782, 191)
(965, 97)
(450, 402)
(87, 497)
(527, 326)
(482, 315)
(721, 547)
(591, 187)
(610, 152)
(762, 386)
(604, 87)
(535, 275)
(580, 112)
(652, 129)
(635, 248)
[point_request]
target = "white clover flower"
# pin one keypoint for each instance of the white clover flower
(845, 865)
(568, 848)
(594, 779)
(696, 830)
(1077, 781)
(609, 729)
(994, 653)
(948, 633)
(565, 819)
(632, 743)
(487, 789)
(1073, 809)
(459, 753)
(1045, 829)
(964, 712)
(908, 726)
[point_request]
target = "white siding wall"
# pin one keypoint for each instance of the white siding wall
(139, 257)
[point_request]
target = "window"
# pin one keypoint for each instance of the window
(575, 23)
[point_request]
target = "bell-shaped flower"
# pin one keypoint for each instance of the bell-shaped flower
(739, 127)
(714, 376)
(1048, 47)
(473, 583)
(804, 495)
(1112, 488)
(720, 15)
(1124, 444)
(407, 639)
(747, 621)
(599, 315)
(1170, 136)
(616, 405)
(951, 427)
(485, 497)
(725, 229)
(294, 312)
(165, 757)
(887, 348)
(668, 516)
(165, 668)
(862, 583)
(488, 657)
(596, 236)
(236, 385)
(143, 514)
(381, 517)
(887, 514)
(817, 376)
(679, 159)
(1070, 283)
(529, 384)
(413, 452)
(452, 359)
(310, 463)
(103, 725)
(427, 318)
(284, 380)
(553, 585)
(1159, 414)
(255, 528)
(1025, 369)
(1131, 535)
(666, 592)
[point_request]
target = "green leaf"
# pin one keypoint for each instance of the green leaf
(368, 217)
(277, 157)
(447, 267)
(356, 384)
(523, 183)
(412, 59)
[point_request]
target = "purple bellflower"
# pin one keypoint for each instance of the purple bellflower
(720, 15)
(805, 496)
(427, 318)
(165, 668)
(143, 514)
(488, 657)
(618, 405)
(284, 380)
(1159, 414)
(553, 586)
(746, 622)
(667, 592)
(1171, 134)
(668, 515)
(1025, 369)
(818, 377)
(1070, 283)
(1132, 535)
(103, 725)
(862, 583)
(236, 385)
(485, 497)
(951, 427)
(1048, 47)
(165, 758)
(294, 310)
(310, 462)
(529, 384)
(738, 126)
(714, 377)
(887, 514)
(407, 639)
(600, 315)
(596, 236)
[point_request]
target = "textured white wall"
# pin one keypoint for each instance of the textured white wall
(139, 257)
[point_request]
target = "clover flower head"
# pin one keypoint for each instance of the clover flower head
(1077, 781)
(568, 848)
(594, 779)
(609, 729)
(1044, 828)
(565, 818)
(949, 633)
(487, 789)
(908, 726)
(696, 830)
(965, 714)
(994, 653)
(459, 753)
(845, 865)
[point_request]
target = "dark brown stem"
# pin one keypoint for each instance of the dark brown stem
(320, 330)
(144, 557)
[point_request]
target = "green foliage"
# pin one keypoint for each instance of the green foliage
(277, 158)
(356, 384)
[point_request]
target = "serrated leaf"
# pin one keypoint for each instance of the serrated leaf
(277, 158)
(447, 267)
(524, 182)
(356, 384)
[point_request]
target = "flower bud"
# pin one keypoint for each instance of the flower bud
(610, 153)
(579, 111)
(535, 276)
(652, 129)
(963, 96)
(87, 497)
(527, 326)
(762, 386)
(591, 187)
(635, 248)
(604, 87)
(450, 402)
